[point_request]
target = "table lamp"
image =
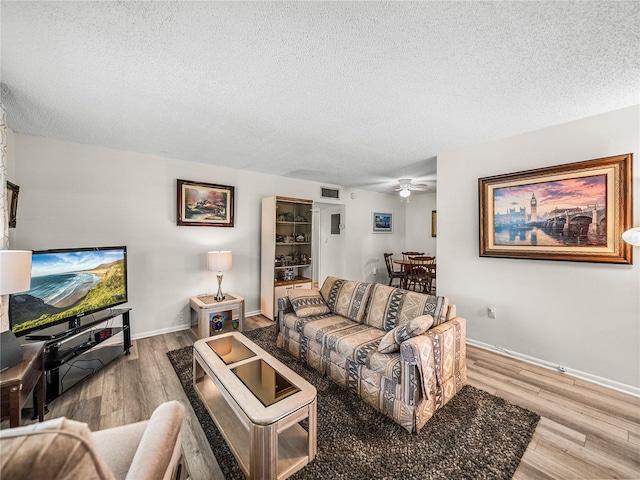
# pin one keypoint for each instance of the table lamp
(15, 276)
(219, 261)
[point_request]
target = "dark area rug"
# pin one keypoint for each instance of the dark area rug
(475, 436)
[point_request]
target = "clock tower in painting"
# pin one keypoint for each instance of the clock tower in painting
(534, 208)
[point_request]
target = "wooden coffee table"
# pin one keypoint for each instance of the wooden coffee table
(257, 403)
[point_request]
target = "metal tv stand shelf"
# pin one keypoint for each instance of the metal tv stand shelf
(73, 354)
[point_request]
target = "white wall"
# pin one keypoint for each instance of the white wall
(419, 237)
(330, 247)
(75, 195)
(584, 316)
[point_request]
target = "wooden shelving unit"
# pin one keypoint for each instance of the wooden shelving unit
(286, 249)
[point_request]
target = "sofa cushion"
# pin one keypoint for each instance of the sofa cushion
(390, 307)
(308, 302)
(417, 326)
(386, 364)
(346, 297)
(354, 342)
(315, 328)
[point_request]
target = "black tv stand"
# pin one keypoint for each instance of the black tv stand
(74, 354)
(43, 337)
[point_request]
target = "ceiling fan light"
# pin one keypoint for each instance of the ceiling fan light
(405, 192)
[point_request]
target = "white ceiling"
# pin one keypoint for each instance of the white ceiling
(358, 94)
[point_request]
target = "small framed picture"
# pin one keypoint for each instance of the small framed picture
(205, 204)
(382, 222)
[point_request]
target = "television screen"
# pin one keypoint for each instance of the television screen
(69, 283)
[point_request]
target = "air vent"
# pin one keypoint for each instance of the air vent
(330, 193)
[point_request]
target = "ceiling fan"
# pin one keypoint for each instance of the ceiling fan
(405, 187)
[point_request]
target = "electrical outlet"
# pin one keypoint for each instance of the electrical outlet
(180, 317)
(491, 310)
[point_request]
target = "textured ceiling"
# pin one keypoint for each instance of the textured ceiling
(358, 94)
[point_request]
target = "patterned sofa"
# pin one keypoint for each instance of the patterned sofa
(339, 329)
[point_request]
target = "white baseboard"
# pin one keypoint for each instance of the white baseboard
(605, 382)
(175, 328)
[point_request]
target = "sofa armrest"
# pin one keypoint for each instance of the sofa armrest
(418, 369)
(156, 456)
(284, 307)
(451, 311)
(438, 354)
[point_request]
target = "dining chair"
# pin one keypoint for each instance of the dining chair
(406, 255)
(418, 274)
(393, 273)
(432, 271)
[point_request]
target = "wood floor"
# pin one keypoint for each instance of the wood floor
(586, 431)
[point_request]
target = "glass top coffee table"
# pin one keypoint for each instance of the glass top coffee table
(257, 403)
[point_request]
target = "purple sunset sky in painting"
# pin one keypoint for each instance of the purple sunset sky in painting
(570, 193)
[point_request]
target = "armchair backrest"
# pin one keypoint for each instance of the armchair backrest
(56, 449)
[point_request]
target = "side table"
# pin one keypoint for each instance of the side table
(208, 311)
(17, 383)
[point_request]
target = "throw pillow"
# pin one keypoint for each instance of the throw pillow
(346, 297)
(390, 307)
(307, 302)
(417, 326)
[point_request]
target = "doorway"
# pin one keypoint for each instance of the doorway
(329, 248)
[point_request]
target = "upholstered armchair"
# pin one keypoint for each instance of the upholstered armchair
(66, 449)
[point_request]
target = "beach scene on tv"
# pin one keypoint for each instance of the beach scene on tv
(69, 284)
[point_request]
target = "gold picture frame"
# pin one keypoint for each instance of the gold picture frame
(434, 223)
(205, 204)
(572, 212)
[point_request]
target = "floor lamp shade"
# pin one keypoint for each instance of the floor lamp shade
(15, 271)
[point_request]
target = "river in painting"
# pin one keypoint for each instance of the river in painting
(536, 236)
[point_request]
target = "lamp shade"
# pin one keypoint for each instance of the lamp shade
(15, 271)
(632, 236)
(219, 261)
(405, 192)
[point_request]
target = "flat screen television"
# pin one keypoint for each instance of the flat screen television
(67, 284)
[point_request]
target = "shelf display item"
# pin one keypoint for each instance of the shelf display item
(217, 321)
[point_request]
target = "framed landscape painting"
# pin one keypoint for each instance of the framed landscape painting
(575, 212)
(382, 222)
(205, 204)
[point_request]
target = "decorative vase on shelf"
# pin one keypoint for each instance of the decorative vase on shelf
(235, 322)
